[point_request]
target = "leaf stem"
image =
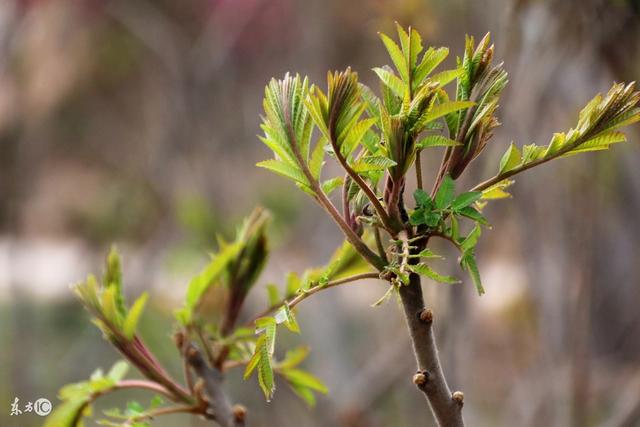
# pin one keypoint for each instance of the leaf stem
(445, 237)
(301, 297)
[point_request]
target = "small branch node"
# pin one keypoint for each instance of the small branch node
(199, 391)
(387, 276)
(426, 316)
(239, 413)
(458, 397)
(192, 353)
(179, 340)
(421, 378)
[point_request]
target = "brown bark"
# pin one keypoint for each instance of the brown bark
(430, 379)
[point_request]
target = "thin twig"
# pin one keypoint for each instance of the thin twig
(418, 170)
(380, 210)
(188, 379)
(143, 384)
(205, 345)
(168, 410)
(314, 290)
(346, 210)
(137, 353)
(379, 245)
(445, 237)
(301, 297)
(500, 177)
(324, 201)
(230, 364)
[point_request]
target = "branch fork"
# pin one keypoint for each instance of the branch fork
(210, 393)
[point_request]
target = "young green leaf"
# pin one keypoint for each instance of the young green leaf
(78, 397)
(293, 358)
(510, 159)
(430, 60)
(422, 198)
(427, 253)
(436, 141)
(599, 142)
(305, 379)
(468, 263)
(397, 57)
(373, 163)
(265, 373)
(445, 77)
(284, 169)
(424, 270)
(465, 199)
(133, 316)
(255, 359)
(330, 185)
(444, 109)
(445, 193)
(497, 191)
(304, 384)
(263, 355)
(286, 316)
(300, 379)
(471, 240)
(113, 278)
(473, 214)
(273, 294)
(392, 81)
(208, 276)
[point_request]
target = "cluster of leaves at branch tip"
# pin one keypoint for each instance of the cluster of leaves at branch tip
(106, 302)
(597, 129)
(374, 137)
(377, 140)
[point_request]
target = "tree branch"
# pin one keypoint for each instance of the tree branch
(382, 213)
(496, 179)
(446, 407)
(324, 201)
(210, 392)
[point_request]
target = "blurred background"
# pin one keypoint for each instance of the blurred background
(134, 122)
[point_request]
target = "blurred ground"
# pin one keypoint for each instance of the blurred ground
(134, 122)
